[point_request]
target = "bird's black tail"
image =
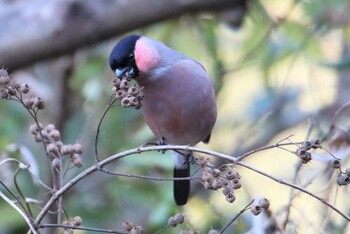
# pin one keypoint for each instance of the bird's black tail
(181, 187)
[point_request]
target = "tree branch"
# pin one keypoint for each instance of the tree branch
(47, 29)
(139, 150)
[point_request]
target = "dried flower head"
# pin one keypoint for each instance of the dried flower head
(77, 221)
(130, 96)
(264, 203)
(255, 209)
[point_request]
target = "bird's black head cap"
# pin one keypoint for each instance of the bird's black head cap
(122, 56)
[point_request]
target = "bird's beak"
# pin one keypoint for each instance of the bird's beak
(128, 71)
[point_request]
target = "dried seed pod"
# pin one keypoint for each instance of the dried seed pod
(232, 174)
(227, 189)
(126, 102)
(207, 176)
(4, 78)
(201, 161)
(216, 172)
(316, 144)
(307, 145)
(264, 203)
(179, 218)
(50, 127)
(24, 88)
(172, 222)
(237, 185)
(255, 209)
(304, 155)
(120, 94)
(52, 148)
(335, 163)
(133, 91)
(77, 221)
(33, 129)
(77, 162)
(347, 171)
(116, 82)
(124, 84)
(55, 134)
(11, 91)
(217, 183)
(39, 103)
(56, 163)
(127, 225)
(4, 94)
(343, 180)
(207, 185)
(78, 148)
(230, 197)
(28, 102)
(67, 149)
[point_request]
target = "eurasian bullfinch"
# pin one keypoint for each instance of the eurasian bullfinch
(179, 100)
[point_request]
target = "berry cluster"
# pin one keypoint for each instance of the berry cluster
(75, 221)
(173, 221)
(262, 204)
(228, 179)
(303, 152)
(129, 96)
(54, 146)
(131, 228)
(344, 177)
(11, 89)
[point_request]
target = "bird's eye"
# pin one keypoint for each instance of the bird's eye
(131, 56)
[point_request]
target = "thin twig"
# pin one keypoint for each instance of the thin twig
(110, 104)
(49, 225)
(147, 177)
(297, 170)
(28, 211)
(25, 217)
(236, 217)
(277, 145)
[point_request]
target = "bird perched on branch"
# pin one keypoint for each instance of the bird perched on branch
(179, 100)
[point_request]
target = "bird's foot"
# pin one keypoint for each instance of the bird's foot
(162, 142)
(159, 143)
(189, 158)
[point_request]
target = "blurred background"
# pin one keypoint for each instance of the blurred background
(281, 69)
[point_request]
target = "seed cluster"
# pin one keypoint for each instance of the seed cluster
(173, 221)
(303, 152)
(54, 146)
(11, 89)
(129, 96)
(75, 221)
(228, 179)
(131, 228)
(262, 204)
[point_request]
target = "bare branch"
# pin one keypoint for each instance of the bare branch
(139, 150)
(54, 28)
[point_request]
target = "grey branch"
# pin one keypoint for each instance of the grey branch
(39, 30)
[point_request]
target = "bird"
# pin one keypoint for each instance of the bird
(179, 103)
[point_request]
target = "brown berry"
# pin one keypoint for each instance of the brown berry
(172, 222)
(230, 197)
(127, 225)
(264, 203)
(255, 209)
(179, 218)
(77, 221)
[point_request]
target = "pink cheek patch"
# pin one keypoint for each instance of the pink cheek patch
(146, 57)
